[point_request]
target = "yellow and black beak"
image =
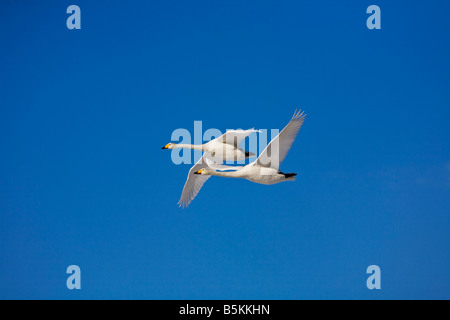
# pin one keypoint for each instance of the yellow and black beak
(166, 146)
(199, 171)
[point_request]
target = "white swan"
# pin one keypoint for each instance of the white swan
(265, 169)
(224, 148)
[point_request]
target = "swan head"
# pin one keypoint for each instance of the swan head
(203, 171)
(169, 146)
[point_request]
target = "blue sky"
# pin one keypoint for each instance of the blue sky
(83, 181)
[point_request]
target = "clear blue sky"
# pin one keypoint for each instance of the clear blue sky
(84, 113)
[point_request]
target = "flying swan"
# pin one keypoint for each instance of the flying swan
(264, 170)
(224, 148)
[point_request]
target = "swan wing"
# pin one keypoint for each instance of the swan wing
(193, 183)
(235, 137)
(281, 143)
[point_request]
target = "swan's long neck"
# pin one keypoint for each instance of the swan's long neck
(227, 174)
(190, 146)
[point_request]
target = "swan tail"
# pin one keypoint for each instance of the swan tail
(289, 176)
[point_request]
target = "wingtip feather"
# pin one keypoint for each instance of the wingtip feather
(298, 115)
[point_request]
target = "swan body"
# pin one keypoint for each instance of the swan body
(260, 171)
(225, 151)
(254, 173)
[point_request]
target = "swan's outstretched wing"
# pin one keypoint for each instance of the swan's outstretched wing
(277, 149)
(194, 182)
(235, 137)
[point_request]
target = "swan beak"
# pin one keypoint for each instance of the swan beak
(165, 147)
(199, 171)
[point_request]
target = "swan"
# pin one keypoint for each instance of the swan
(260, 171)
(224, 148)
